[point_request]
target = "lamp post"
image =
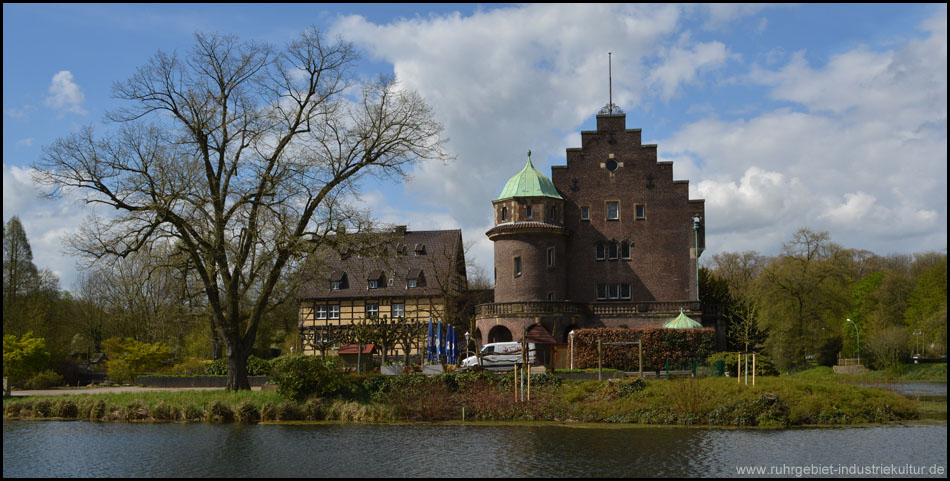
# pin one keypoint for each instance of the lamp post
(696, 222)
(917, 334)
(571, 336)
(468, 336)
(857, 334)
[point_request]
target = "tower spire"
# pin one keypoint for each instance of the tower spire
(610, 80)
(610, 108)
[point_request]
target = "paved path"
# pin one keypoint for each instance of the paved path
(112, 389)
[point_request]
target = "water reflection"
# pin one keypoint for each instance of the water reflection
(64, 449)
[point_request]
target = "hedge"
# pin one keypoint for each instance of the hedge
(659, 346)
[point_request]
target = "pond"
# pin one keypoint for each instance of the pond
(86, 449)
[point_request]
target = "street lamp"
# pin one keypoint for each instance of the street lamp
(696, 223)
(571, 335)
(858, 336)
(917, 334)
(468, 336)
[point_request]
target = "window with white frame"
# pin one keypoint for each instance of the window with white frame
(398, 309)
(585, 212)
(613, 210)
(320, 312)
(641, 212)
(600, 251)
(334, 312)
(372, 310)
(624, 250)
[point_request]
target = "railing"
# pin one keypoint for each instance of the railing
(596, 309)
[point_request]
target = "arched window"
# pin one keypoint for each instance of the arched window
(625, 250)
(504, 213)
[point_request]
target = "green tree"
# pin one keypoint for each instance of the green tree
(128, 357)
(740, 272)
(803, 297)
(243, 155)
(23, 356)
(927, 307)
(19, 273)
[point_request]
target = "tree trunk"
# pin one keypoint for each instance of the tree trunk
(237, 366)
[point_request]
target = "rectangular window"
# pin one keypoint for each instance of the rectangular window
(641, 212)
(625, 291)
(528, 211)
(551, 296)
(613, 210)
(320, 312)
(372, 310)
(335, 285)
(612, 254)
(398, 310)
(601, 253)
(412, 283)
(517, 266)
(374, 284)
(625, 250)
(334, 311)
(550, 257)
(585, 213)
(601, 291)
(614, 291)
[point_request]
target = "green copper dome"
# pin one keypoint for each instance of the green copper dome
(529, 183)
(681, 321)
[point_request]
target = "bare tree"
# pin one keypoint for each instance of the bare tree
(241, 154)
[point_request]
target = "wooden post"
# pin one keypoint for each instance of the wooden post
(515, 371)
(753, 369)
(600, 369)
(640, 348)
(739, 368)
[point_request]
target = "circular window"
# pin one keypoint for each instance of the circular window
(612, 165)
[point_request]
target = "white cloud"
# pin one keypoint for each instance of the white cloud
(866, 162)
(518, 78)
(64, 94)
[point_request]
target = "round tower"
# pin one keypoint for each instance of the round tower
(530, 239)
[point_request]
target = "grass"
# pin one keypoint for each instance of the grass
(808, 398)
(908, 372)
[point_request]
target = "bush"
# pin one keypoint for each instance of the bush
(190, 367)
(246, 412)
(24, 356)
(44, 380)
(255, 367)
(763, 363)
(659, 345)
(298, 376)
(129, 357)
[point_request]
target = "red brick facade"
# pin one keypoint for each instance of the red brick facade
(631, 262)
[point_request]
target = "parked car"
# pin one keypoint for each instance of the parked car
(500, 354)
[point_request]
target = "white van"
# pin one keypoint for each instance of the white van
(500, 354)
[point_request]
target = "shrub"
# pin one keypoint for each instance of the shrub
(763, 363)
(129, 357)
(190, 367)
(23, 356)
(164, 412)
(247, 412)
(44, 380)
(220, 413)
(255, 367)
(659, 345)
(137, 411)
(298, 376)
(65, 408)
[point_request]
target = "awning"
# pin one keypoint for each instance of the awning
(681, 321)
(539, 335)
(354, 349)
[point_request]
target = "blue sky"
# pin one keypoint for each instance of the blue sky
(831, 117)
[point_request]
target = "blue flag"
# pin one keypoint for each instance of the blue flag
(452, 348)
(430, 343)
(438, 343)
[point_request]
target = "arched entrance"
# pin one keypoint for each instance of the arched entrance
(499, 334)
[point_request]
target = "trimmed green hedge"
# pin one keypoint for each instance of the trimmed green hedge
(659, 346)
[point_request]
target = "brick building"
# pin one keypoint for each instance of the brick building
(610, 240)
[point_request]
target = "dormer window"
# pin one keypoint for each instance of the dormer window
(374, 284)
(415, 278)
(338, 280)
(375, 280)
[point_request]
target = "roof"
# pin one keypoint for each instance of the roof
(354, 349)
(529, 182)
(393, 261)
(539, 335)
(681, 321)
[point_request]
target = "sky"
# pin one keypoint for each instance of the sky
(829, 117)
